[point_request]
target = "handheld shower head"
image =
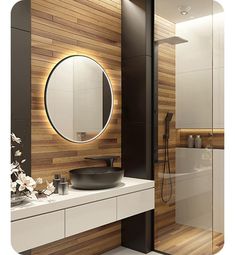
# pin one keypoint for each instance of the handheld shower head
(168, 119)
(169, 116)
(167, 163)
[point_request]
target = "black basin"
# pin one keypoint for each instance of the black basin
(96, 177)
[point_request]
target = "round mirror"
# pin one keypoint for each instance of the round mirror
(79, 99)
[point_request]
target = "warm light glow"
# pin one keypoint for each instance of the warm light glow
(201, 130)
(115, 101)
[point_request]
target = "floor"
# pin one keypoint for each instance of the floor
(183, 240)
(125, 251)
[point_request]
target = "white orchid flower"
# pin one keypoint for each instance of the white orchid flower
(33, 195)
(18, 153)
(15, 139)
(14, 167)
(20, 169)
(39, 181)
(13, 186)
(50, 188)
(26, 182)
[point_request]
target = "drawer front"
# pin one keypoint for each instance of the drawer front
(135, 203)
(89, 216)
(36, 231)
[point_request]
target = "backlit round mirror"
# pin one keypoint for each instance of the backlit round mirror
(79, 99)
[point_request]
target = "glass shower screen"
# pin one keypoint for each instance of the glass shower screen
(188, 45)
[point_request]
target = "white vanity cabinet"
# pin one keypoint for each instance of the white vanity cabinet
(85, 217)
(36, 231)
(52, 219)
(134, 203)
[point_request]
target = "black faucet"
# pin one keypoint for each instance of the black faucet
(108, 159)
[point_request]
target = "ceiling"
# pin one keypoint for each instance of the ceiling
(168, 9)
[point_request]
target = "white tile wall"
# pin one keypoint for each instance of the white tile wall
(194, 99)
(199, 73)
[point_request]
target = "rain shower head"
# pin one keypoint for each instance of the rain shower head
(174, 40)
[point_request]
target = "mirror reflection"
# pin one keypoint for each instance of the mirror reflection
(79, 99)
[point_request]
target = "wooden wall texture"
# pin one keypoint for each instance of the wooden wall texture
(61, 28)
(93, 242)
(165, 213)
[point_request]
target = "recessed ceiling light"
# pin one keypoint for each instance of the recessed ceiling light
(184, 10)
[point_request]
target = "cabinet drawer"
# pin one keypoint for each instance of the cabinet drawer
(89, 216)
(36, 231)
(135, 203)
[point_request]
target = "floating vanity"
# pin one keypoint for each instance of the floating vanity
(56, 217)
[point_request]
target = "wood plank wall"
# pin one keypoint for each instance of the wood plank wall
(61, 28)
(93, 242)
(165, 213)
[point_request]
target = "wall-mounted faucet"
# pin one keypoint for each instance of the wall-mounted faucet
(108, 159)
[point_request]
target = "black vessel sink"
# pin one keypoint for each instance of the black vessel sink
(96, 177)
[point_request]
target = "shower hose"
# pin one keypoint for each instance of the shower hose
(166, 166)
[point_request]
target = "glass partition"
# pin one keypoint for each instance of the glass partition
(189, 132)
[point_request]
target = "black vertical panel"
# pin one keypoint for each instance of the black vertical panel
(136, 234)
(21, 15)
(137, 85)
(21, 77)
(137, 94)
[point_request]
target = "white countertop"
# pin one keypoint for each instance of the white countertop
(55, 202)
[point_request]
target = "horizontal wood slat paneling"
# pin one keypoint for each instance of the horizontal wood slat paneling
(57, 33)
(61, 28)
(92, 242)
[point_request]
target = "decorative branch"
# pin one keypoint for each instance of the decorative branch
(21, 183)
